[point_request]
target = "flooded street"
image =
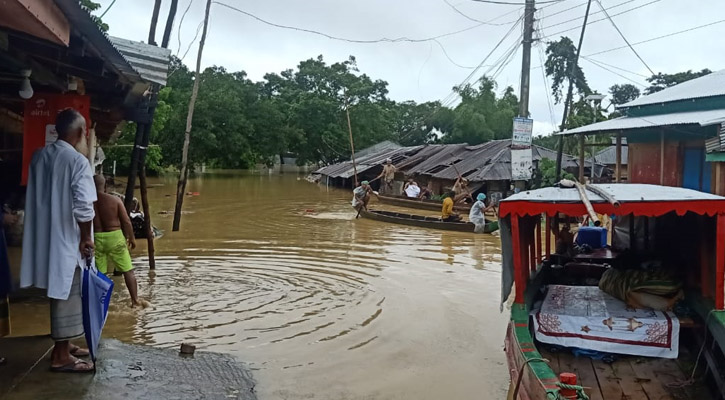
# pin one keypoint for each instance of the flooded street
(277, 271)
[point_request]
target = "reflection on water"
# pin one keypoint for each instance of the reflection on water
(280, 273)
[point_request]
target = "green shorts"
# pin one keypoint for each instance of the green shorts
(112, 245)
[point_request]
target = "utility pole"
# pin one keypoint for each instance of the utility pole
(567, 102)
(526, 60)
(184, 173)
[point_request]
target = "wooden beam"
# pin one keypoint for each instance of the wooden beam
(720, 260)
(581, 158)
(516, 249)
(618, 165)
(39, 18)
(547, 250)
(662, 157)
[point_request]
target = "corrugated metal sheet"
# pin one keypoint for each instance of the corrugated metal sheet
(624, 192)
(151, 62)
(608, 156)
(704, 86)
(382, 146)
(346, 170)
(702, 118)
(81, 20)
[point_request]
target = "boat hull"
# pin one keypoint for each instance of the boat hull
(424, 222)
(420, 204)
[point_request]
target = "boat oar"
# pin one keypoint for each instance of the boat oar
(587, 203)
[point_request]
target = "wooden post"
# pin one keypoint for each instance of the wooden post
(516, 249)
(147, 217)
(169, 23)
(581, 159)
(532, 252)
(184, 173)
(352, 143)
(618, 165)
(547, 221)
(537, 242)
(720, 267)
(662, 157)
(154, 21)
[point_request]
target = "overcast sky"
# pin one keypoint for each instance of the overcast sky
(421, 71)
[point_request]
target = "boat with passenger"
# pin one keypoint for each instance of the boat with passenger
(425, 222)
(633, 311)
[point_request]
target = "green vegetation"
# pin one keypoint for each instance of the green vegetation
(239, 123)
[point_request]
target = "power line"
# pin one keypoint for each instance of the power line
(616, 67)
(360, 41)
(598, 20)
(508, 3)
(449, 58)
(624, 37)
(468, 17)
(181, 22)
(659, 37)
(593, 62)
(107, 9)
(582, 17)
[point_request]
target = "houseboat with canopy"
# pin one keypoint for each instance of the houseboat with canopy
(632, 313)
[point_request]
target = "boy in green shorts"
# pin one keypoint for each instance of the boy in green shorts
(113, 235)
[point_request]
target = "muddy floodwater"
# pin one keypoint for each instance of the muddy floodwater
(278, 272)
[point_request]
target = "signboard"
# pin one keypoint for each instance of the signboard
(521, 164)
(39, 121)
(523, 129)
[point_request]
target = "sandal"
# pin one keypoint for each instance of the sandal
(79, 352)
(72, 367)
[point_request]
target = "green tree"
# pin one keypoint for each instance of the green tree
(624, 93)
(560, 57)
(662, 81)
(545, 174)
(91, 6)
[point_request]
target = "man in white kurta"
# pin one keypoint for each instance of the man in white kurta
(58, 234)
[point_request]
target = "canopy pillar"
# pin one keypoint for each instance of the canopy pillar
(618, 165)
(519, 279)
(581, 159)
(720, 267)
(662, 157)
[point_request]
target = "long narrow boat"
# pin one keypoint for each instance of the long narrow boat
(571, 334)
(420, 204)
(424, 222)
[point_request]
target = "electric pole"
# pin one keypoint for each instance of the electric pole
(526, 60)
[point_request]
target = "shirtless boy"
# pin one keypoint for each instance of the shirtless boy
(113, 234)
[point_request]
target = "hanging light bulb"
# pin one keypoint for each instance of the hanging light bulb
(26, 91)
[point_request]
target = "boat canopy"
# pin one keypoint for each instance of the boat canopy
(636, 199)
(520, 224)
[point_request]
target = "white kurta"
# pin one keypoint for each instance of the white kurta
(60, 194)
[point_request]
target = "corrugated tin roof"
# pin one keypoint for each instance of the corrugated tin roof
(702, 118)
(151, 62)
(705, 86)
(364, 163)
(624, 192)
(382, 146)
(608, 156)
(81, 20)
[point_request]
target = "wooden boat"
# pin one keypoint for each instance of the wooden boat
(542, 371)
(420, 204)
(424, 222)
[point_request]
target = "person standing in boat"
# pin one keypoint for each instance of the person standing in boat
(411, 189)
(460, 190)
(388, 176)
(478, 209)
(447, 213)
(361, 196)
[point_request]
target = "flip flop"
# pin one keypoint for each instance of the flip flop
(80, 352)
(71, 367)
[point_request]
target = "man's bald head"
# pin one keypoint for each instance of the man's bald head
(100, 182)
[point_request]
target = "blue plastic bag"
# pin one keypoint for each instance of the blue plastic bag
(96, 296)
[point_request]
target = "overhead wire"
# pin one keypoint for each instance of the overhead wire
(594, 62)
(597, 20)
(541, 51)
(510, 3)
(181, 22)
(333, 37)
(107, 9)
(616, 67)
(590, 14)
(658, 37)
(624, 37)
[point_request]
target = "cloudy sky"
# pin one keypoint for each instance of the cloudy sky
(426, 70)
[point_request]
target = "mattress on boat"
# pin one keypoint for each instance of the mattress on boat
(588, 318)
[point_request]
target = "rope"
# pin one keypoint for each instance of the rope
(580, 394)
(521, 372)
(688, 382)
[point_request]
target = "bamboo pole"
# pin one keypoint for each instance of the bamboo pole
(184, 173)
(587, 203)
(154, 21)
(603, 194)
(618, 165)
(169, 23)
(147, 217)
(352, 143)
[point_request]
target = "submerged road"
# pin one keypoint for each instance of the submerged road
(277, 272)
